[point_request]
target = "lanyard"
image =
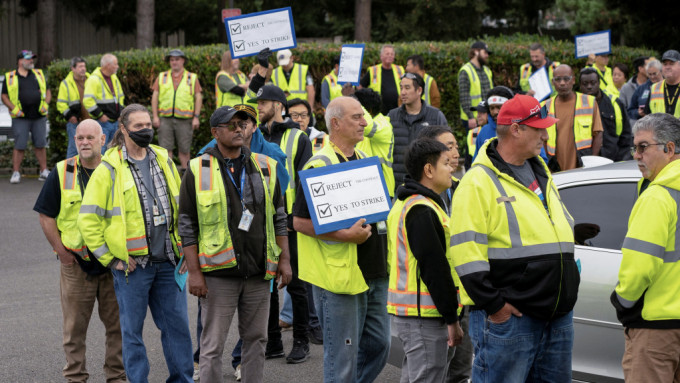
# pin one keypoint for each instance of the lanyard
(243, 178)
(338, 151)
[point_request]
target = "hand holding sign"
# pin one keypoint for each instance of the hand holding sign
(263, 57)
(359, 232)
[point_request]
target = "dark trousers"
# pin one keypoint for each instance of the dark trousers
(298, 295)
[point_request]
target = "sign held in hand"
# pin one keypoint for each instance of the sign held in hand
(593, 43)
(249, 34)
(349, 70)
(339, 195)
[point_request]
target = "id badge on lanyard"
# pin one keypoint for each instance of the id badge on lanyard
(247, 216)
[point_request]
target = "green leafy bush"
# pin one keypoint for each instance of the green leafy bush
(138, 69)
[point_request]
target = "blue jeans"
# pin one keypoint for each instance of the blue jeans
(155, 287)
(522, 349)
(286, 313)
(71, 133)
(356, 333)
(108, 128)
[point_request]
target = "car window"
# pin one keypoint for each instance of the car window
(600, 212)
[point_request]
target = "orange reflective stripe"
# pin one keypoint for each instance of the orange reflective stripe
(218, 253)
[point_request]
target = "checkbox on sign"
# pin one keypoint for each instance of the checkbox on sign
(324, 210)
(317, 189)
(239, 46)
(235, 29)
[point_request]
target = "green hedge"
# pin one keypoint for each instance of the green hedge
(138, 70)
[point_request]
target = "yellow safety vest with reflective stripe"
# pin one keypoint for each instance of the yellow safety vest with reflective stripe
(656, 100)
(297, 85)
(525, 71)
(407, 294)
(583, 124)
(71, 197)
(375, 75)
(330, 265)
(606, 80)
(515, 225)
(334, 88)
(472, 140)
(177, 103)
(69, 95)
(97, 92)
(228, 98)
(379, 141)
(111, 218)
(12, 84)
(475, 86)
(215, 247)
(289, 145)
(651, 250)
(428, 85)
(618, 114)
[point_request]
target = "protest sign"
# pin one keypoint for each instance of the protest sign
(349, 69)
(593, 43)
(249, 34)
(339, 195)
(540, 84)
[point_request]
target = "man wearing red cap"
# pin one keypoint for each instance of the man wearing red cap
(515, 257)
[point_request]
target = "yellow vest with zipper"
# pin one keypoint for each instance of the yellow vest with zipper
(111, 218)
(656, 100)
(330, 265)
(215, 246)
(407, 294)
(177, 103)
(375, 75)
(71, 197)
(12, 84)
(69, 95)
(97, 93)
(289, 145)
(297, 85)
(583, 123)
(228, 98)
(475, 86)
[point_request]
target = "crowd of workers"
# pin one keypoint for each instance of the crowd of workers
(482, 267)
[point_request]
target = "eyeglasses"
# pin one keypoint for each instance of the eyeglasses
(563, 78)
(233, 125)
(295, 116)
(543, 113)
(639, 149)
(650, 74)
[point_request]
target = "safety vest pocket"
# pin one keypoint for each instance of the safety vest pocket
(209, 207)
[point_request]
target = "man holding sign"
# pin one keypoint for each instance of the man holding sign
(347, 267)
(538, 61)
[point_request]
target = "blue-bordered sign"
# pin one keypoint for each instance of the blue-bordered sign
(339, 195)
(249, 34)
(593, 43)
(351, 57)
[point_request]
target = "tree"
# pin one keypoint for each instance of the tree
(362, 20)
(145, 23)
(47, 49)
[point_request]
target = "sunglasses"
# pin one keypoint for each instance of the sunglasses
(543, 113)
(639, 149)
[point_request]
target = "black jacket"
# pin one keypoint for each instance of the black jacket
(429, 245)
(406, 128)
(615, 147)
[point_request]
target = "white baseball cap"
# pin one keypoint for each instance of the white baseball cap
(283, 57)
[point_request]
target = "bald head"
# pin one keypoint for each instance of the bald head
(563, 80)
(89, 139)
(108, 64)
(345, 120)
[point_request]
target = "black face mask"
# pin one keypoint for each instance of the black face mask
(142, 137)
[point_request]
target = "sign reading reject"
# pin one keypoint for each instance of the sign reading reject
(339, 195)
(249, 34)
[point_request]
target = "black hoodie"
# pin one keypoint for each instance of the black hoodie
(429, 244)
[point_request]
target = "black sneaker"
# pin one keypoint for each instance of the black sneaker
(315, 335)
(299, 352)
(274, 350)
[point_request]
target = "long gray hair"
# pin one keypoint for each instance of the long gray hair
(118, 139)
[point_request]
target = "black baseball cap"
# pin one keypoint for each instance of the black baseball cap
(224, 114)
(671, 55)
(481, 45)
(271, 93)
(26, 54)
(481, 107)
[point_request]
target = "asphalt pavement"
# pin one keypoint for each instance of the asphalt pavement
(31, 319)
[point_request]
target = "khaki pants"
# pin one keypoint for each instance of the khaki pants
(78, 294)
(651, 355)
(226, 295)
(176, 130)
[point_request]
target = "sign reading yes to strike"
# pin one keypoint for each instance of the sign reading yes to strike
(593, 43)
(349, 69)
(249, 34)
(339, 195)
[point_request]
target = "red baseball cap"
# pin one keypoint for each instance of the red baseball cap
(525, 110)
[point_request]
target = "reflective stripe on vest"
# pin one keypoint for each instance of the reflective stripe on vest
(376, 77)
(228, 98)
(334, 89)
(12, 83)
(583, 123)
(657, 102)
(428, 85)
(70, 201)
(319, 142)
(296, 88)
(177, 103)
(472, 140)
(289, 145)
(475, 86)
